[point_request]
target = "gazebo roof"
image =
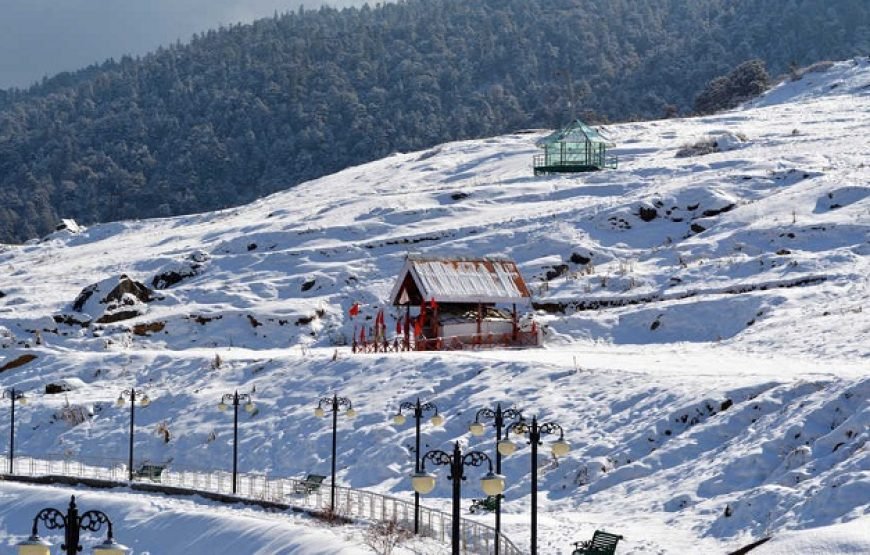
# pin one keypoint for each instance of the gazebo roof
(577, 132)
(459, 280)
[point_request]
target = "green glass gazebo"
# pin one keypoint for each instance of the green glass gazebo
(575, 148)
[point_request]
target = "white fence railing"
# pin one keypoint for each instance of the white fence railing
(475, 537)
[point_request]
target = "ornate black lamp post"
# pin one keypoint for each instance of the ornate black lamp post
(13, 395)
(333, 404)
(436, 420)
(424, 482)
(476, 428)
(144, 401)
(235, 398)
(73, 524)
(560, 448)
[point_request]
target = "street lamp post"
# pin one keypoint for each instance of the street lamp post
(476, 428)
(333, 404)
(436, 420)
(560, 448)
(424, 482)
(235, 398)
(13, 395)
(144, 401)
(73, 524)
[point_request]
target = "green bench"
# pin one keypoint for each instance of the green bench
(149, 472)
(310, 484)
(486, 504)
(602, 543)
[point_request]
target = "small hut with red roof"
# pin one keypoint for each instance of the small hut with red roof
(463, 303)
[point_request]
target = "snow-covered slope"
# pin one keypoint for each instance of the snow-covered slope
(158, 525)
(707, 339)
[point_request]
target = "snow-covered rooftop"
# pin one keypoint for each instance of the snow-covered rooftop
(460, 280)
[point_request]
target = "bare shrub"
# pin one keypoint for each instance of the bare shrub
(711, 143)
(386, 535)
(73, 414)
(163, 430)
(332, 517)
(705, 145)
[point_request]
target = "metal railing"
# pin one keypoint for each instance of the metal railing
(368, 505)
(544, 163)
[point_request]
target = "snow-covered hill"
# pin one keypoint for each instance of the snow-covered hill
(707, 339)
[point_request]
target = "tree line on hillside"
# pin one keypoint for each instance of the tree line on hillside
(247, 110)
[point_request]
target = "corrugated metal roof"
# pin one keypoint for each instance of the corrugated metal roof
(464, 280)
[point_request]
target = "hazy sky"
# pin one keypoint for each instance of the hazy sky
(44, 37)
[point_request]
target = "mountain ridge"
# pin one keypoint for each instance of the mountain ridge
(248, 110)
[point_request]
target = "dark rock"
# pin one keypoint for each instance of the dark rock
(2, 294)
(697, 228)
(717, 211)
(148, 329)
(783, 252)
(460, 196)
(169, 278)
(254, 322)
(726, 404)
(70, 320)
(112, 317)
(166, 280)
(558, 270)
(308, 285)
(648, 213)
(55, 388)
(578, 258)
(203, 320)
(83, 297)
(252, 246)
(128, 286)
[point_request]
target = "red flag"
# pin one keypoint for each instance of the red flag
(433, 304)
(399, 326)
(418, 328)
(354, 310)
